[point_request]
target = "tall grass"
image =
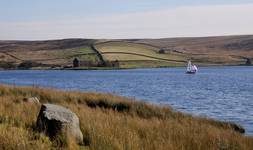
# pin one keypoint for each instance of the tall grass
(112, 122)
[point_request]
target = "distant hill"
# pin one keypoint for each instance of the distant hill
(130, 53)
(44, 45)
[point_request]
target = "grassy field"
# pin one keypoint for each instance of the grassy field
(147, 64)
(133, 52)
(111, 122)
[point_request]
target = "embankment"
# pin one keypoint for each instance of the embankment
(112, 122)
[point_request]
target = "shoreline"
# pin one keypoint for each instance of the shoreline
(124, 97)
(112, 68)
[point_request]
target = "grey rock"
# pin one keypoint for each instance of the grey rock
(54, 120)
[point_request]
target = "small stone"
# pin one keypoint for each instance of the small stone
(237, 127)
(33, 100)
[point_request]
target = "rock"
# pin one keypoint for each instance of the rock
(33, 100)
(237, 127)
(248, 62)
(56, 120)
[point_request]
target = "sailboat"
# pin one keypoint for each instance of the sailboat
(191, 69)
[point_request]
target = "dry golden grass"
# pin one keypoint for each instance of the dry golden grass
(112, 122)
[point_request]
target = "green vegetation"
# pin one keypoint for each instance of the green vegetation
(112, 122)
(147, 64)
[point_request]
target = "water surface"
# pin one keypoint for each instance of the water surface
(224, 93)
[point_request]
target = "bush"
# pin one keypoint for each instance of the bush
(30, 64)
(161, 51)
(7, 65)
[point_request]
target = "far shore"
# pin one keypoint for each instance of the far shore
(120, 68)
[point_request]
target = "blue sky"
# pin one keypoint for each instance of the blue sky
(16, 10)
(20, 19)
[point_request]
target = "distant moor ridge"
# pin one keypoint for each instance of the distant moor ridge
(126, 53)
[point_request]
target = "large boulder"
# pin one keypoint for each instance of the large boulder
(54, 120)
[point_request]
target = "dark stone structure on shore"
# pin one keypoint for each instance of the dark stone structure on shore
(76, 63)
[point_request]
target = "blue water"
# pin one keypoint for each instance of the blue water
(224, 93)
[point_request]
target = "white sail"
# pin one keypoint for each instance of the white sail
(189, 67)
(194, 68)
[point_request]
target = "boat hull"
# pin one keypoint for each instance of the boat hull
(191, 72)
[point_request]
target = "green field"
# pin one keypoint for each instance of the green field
(133, 55)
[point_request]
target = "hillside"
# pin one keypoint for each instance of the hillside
(111, 122)
(48, 54)
(129, 53)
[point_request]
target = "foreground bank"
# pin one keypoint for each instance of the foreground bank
(111, 122)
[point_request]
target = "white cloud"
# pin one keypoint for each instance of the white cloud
(175, 22)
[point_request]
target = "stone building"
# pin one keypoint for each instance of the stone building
(76, 63)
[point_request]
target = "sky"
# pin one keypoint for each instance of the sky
(58, 19)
